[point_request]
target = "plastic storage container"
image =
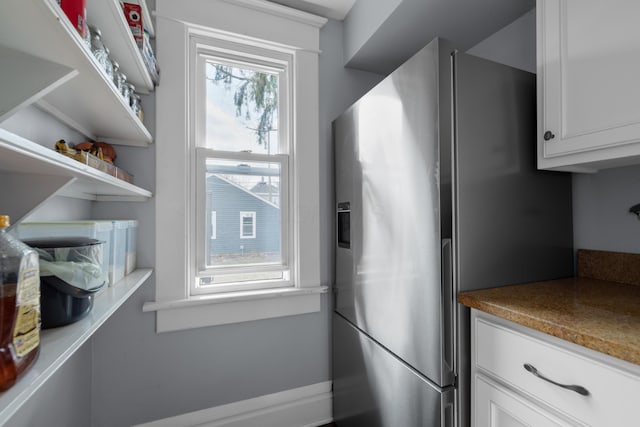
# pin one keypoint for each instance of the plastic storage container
(119, 250)
(99, 230)
(19, 307)
(132, 244)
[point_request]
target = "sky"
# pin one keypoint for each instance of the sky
(226, 131)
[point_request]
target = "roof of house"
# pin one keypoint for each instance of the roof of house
(252, 191)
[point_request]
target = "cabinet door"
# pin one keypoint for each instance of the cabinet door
(588, 83)
(497, 406)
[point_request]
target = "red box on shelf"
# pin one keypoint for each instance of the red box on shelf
(133, 15)
(76, 11)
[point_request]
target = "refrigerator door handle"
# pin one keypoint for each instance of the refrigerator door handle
(448, 301)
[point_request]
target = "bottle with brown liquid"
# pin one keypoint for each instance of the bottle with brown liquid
(19, 306)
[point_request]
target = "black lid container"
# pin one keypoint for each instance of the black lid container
(77, 260)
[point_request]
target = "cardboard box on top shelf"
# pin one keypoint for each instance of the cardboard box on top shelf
(133, 15)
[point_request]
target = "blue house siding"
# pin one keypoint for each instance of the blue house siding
(228, 200)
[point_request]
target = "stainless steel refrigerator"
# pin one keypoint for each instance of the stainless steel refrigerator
(436, 192)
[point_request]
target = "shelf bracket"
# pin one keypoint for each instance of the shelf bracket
(24, 79)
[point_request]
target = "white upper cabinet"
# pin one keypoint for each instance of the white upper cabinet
(75, 90)
(588, 56)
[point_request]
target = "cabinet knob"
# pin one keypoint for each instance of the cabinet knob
(548, 135)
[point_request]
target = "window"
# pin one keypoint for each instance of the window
(237, 200)
(247, 225)
(213, 224)
(241, 146)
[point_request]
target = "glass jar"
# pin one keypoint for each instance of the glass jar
(98, 48)
(125, 90)
(116, 71)
(87, 35)
(108, 65)
(121, 83)
(132, 94)
(136, 106)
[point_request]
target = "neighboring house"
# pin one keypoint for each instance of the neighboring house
(242, 221)
(268, 192)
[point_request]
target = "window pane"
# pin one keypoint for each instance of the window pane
(246, 201)
(242, 109)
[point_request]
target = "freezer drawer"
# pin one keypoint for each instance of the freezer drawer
(373, 388)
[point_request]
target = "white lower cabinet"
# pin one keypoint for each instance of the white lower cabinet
(498, 406)
(522, 377)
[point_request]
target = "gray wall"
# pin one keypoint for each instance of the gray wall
(40, 127)
(364, 18)
(411, 24)
(601, 202)
(64, 400)
(514, 45)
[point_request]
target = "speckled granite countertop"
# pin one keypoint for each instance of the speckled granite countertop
(603, 315)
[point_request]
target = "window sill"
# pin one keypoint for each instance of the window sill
(234, 307)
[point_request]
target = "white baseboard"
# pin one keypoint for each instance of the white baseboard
(308, 406)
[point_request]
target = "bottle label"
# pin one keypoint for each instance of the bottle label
(26, 334)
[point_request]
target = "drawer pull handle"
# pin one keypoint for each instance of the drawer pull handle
(578, 389)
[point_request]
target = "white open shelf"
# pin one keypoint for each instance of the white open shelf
(89, 101)
(38, 173)
(44, 61)
(59, 344)
(108, 17)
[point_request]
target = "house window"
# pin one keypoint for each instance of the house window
(236, 131)
(242, 145)
(247, 225)
(213, 223)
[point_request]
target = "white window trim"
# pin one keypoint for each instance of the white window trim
(256, 22)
